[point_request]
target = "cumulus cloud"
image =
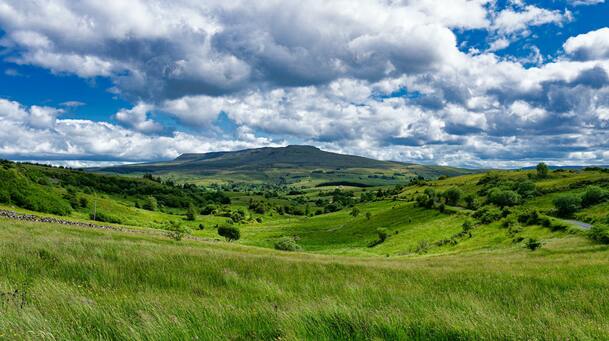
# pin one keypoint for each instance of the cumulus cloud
(593, 45)
(137, 118)
(29, 133)
(379, 78)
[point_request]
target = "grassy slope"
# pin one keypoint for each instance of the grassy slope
(84, 284)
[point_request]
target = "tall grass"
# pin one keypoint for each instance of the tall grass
(85, 284)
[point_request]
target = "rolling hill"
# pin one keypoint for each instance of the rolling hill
(306, 165)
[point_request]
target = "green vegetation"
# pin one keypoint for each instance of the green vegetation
(82, 284)
(495, 255)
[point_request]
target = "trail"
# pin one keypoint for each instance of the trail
(578, 223)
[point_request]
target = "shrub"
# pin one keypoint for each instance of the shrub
(503, 198)
(532, 244)
(382, 236)
(422, 247)
(287, 244)
(567, 204)
(105, 218)
(355, 212)
(191, 213)
(592, 196)
(471, 202)
(527, 189)
(209, 209)
(201, 227)
(368, 215)
(150, 204)
(599, 234)
(487, 214)
(177, 231)
(230, 233)
(453, 195)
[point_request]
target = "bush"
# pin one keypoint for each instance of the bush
(487, 214)
(382, 236)
(532, 244)
(177, 231)
(592, 196)
(471, 202)
(287, 244)
(423, 247)
(355, 212)
(230, 233)
(105, 218)
(209, 209)
(191, 213)
(503, 198)
(599, 234)
(527, 189)
(453, 195)
(150, 204)
(567, 204)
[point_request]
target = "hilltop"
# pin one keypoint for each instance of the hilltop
(306, 165)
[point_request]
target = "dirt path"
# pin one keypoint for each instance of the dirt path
(578, 223)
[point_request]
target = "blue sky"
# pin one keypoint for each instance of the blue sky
(476, 83)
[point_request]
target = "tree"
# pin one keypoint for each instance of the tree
(355, 212)
(151, 203)
(470, 202)
(368, 215)
(230, 233)
(542, 170)
(567, 204)
(383, 234)
(453, 195)
(191, 213)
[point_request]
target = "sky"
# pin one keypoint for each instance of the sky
(467, 83)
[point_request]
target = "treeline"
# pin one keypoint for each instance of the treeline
(58, 190)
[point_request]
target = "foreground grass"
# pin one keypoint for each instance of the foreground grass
(88, 284)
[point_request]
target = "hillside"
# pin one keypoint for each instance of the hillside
(304, 165)
(482, 256)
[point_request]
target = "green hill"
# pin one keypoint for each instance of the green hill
(496, 255)
(304, 165)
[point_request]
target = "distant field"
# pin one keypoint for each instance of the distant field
(84, 284)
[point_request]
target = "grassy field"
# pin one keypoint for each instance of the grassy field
(89, 284)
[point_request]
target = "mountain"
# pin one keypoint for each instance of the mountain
(294, 163)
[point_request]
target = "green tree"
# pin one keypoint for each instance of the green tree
(368, 215)
(355, 212)
(150, 204)
(191, 213)
(229, 232)
(453, 195)
(542, 170)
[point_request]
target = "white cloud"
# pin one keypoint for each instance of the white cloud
(510, 20)
(593, 45)
(137, 118)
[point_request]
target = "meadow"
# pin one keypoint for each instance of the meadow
(481, 256)
(79, 284)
